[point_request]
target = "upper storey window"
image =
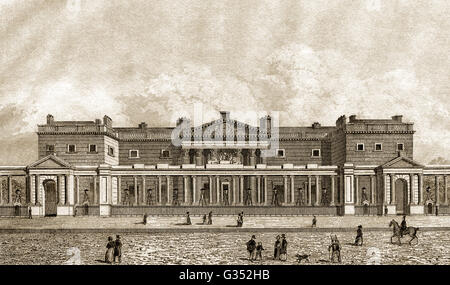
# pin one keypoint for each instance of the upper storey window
(50, 148)
(92, 148)
(133, 153)
(281, 153)
(110, 151)
(315, 153)
(165, 153)
(400, 147)
(71, 148)
(360, 147)
(378, 147)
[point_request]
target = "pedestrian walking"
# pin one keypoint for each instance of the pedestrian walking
(30, 216)
(210, 218)
(259, 249)
(277, 248)
(251, 248)
(118, 249)
(204, 219)
(283, 248)
(109, 255)
(188, 219)
(359, 236)
(314, 222)
(145, 219)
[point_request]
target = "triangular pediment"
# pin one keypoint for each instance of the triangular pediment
(50, 161)
(402, 162)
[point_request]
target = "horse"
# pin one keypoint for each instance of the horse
(411, 231)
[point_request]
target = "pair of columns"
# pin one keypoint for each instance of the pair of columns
(318, 193)
(372, 191)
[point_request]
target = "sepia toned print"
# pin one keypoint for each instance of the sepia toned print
(224, 132)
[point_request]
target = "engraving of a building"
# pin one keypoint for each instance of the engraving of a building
(358, 166)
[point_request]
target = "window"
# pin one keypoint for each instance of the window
(92, 148)
(165, 153)
(315, 153)
(378, 147)
(133, 153)
(280, 153)
(360, 147)
(50, 148)
(110, 151)
(71, 148)
(400, 147)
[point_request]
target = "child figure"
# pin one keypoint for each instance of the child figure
(259, 249)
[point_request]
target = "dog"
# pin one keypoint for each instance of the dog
(301, 257)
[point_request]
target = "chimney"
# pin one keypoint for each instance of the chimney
(98, 121)
(50, 119)
(316, 125)
(397, 118)
(352, 118)
(265, 123)
(225, 115)
(341, 121)
(143, 125)
(107, 121)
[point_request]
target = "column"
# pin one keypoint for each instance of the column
(58, 190)
(194, 190)
(357, 190)
(95, 190)
(37, 184)
(210, 196)
(392, 189)
(372, 190)
(198, 157)
(168, 191)
(29, 194)
(219, 198)
(70, 187)
(317, 203)
(241, 190)
(385, 201)
(309, 191)
(10, 190)
(77, 189)
(136, 191)
(186, 191)
(445, 190)
(436, 189)
(333, 182)
(266, 195)
(160, 190)
(285, 194)
(119, 190)
(411, 190)
(258, 190)
(235, 190)
(420, 202)
(31, 179)
(144, 191)
(253, 187)
(292, 190)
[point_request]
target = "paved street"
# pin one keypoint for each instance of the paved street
(214, 248)
(221, 222)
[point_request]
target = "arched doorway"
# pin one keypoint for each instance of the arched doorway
(50, 197)
(401, 196)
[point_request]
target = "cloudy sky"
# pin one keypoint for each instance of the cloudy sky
(152, 60)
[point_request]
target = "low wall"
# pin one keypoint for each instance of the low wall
(89, 211)
(371, 211)
(220, 210)
(10, 211)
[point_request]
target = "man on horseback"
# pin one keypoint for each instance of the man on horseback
(403, 227)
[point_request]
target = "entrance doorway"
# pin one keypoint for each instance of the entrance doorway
(226, 193)
(50, 198)
(401, 194)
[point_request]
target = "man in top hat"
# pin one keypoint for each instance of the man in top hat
(359, 236)
(118, 249)
(251, 248)
(283, 250)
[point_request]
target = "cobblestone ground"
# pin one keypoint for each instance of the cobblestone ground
(214, 248)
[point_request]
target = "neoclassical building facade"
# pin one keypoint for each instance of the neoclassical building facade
(356, 167)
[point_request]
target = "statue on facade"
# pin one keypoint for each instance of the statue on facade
(225, 197)
(149, 197)
(85, 197)
(18, 198)
(175, 197)
(324, 199)
(364, 199)
(275, 200)
(202, 200)
(248, 198)
(301, 197)
(126, 198)
(428, 196)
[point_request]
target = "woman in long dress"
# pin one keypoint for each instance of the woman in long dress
(277, 248)
(109, 256)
